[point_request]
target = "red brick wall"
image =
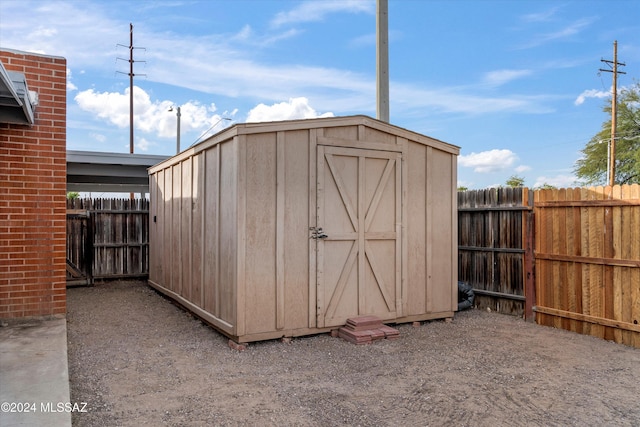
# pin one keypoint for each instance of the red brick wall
(33, 173)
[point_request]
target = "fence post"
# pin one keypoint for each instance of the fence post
(529, 257)
(89, 247)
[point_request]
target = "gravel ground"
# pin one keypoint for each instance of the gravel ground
(137, 359)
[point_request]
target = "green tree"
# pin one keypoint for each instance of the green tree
(515, 181)
(546, 186)
(73, 195)
(592, 167)
(463, 188)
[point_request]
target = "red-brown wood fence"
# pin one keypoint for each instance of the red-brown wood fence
(588, 261)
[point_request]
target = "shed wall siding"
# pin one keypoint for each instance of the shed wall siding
(197, 231)
(294, 248)
(211, 195)
(431, 243)
(229, 232)
(441, 237)
(231, 241)
(194, 248)
(415, 293)
(260, 252)
(277, 233)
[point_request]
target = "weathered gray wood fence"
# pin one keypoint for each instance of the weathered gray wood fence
(107, 239)
(493, 255)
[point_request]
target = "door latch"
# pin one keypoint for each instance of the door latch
(318, 233)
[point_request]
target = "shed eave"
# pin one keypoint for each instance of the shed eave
(246, 128)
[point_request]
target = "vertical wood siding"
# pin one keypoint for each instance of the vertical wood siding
(232, 218)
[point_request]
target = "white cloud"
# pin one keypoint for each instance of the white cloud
(563, 33)
(98, 137)
(459, 101)
(522, 168)
(244, 34)
(560, 181)
(222, 65)
(363, 40)
(143, 145)
(70, 86)
(149, 116)
(111, 106)
(247, 36)
(500, 77)
(311, 11)
(541, 16)
(590, 93)
(296, 108)
(60, 29)
(277, 37)
(488, 161)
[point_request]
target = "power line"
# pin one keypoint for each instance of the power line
(207, 131)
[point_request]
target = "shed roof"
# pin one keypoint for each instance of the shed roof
(323, 122)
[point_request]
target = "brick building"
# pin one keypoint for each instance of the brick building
(33, 111)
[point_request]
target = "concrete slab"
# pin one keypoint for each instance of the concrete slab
(34, 374)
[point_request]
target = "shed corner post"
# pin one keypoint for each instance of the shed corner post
(454, 231)
(241, 235)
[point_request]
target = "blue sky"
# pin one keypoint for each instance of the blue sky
(514, 83)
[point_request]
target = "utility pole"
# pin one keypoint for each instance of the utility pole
(382, 60)
(614, 104)
(131, 88)
(131, 75)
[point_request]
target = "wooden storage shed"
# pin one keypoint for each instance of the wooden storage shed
(277, 229)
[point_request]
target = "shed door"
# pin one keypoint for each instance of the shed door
(358, 234)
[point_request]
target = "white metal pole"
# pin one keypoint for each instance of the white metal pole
(178, 132)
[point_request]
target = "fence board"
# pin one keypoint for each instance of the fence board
(588, 261)
(491, 249)
(119, 236)
(79, 249)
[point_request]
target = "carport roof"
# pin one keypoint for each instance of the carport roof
(94, 171)
(16, 101)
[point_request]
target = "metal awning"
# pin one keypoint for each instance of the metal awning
(17, 103)
(94, 171)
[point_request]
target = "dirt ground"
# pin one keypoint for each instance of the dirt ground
(137, 359)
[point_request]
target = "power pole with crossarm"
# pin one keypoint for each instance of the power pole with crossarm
(614, 103)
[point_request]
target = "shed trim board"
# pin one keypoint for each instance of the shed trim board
(314, 257)
(289, 228)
